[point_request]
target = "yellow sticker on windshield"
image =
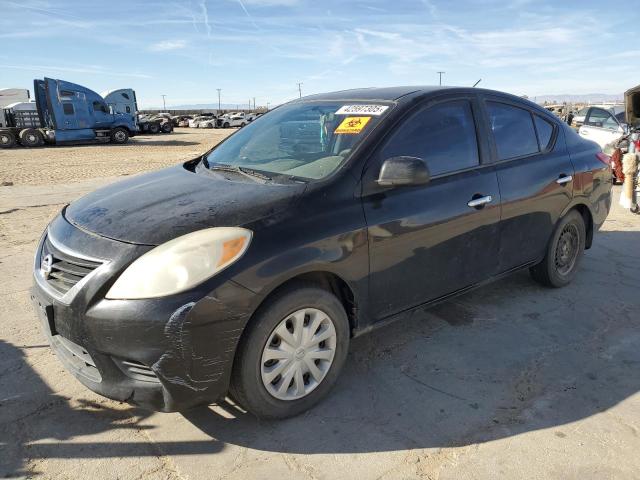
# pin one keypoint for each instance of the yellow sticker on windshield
(352, 125)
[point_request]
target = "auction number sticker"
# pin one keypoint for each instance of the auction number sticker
(352, 125)
(362, 110)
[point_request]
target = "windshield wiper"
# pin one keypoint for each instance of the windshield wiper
(241, 170)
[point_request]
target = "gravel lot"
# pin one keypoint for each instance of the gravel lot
(510, 381)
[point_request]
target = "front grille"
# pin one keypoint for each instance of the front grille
(66, 270)
(136, 370)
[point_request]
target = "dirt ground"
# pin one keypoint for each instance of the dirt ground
(510, 381)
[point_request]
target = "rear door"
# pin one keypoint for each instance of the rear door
(601, 127)
(535, 175)
(427, 241)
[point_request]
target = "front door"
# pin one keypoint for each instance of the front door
(431, 240)
(600, 126)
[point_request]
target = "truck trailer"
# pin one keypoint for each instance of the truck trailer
(9, 96)
(65, 113)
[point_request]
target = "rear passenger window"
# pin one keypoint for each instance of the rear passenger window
(545, 131)
(67, 108)
(512, 130)
(443, 135)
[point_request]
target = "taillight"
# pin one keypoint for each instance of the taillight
(604, 158)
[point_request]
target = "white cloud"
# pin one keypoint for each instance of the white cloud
(167, 45)
(89, 70)
(272, 3)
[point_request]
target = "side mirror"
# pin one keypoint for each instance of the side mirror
(399, 171)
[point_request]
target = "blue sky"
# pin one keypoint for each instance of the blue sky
(262, 48)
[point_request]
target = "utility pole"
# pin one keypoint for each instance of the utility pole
(164, 105)
(267, 106)
(219, 89)
(300, 89)
(440, 74)
(254, 103)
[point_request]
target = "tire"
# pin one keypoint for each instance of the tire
(249, 378)
(119, 135)
(7, 140)
(166, 127)
(225, 125)
(30, 137)
(209, 125)
(564, 252)
(242, 124)
(154, 128)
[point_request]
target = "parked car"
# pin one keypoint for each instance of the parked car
(601, 126)
(233, 121)
(211, 122)
(249, 269)
(617, 111)
(195, 122)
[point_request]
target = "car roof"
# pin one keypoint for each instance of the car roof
(406, 93)
(373, 93)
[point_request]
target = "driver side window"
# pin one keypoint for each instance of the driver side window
(443, 135)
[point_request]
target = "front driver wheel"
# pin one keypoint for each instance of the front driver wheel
(292, 353)
(564, 252)
(119, 135)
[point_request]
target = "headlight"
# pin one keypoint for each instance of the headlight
(181, 263)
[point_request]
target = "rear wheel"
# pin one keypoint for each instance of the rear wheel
(7, 140)
(564, 252)
(225, 125)
(292, 353)
(119, 135)
(30, 137)
(154, 128)
(166, 127)
(242, 124)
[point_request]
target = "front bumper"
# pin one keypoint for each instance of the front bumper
(166, 354)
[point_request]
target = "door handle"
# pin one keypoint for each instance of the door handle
(480, 201)
(564, 179)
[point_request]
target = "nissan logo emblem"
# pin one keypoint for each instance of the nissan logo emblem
(46, 265)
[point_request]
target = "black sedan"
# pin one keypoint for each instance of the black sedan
(246, 271)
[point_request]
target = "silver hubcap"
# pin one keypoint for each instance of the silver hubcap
(298, 354)
(119, 136)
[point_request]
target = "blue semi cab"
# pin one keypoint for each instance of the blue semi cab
(66, 113)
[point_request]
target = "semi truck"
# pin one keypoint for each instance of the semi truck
(123, 100)
(65, 113)
(9, 96)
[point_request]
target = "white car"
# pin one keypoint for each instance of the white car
(602, 126)
(195, 122)
(210, 122)
(234, 121)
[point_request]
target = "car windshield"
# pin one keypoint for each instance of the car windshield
(306, 140)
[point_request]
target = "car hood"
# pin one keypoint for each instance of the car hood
(153, 208)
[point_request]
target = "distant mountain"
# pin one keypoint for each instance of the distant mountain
(202, 106)
(587, 98)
